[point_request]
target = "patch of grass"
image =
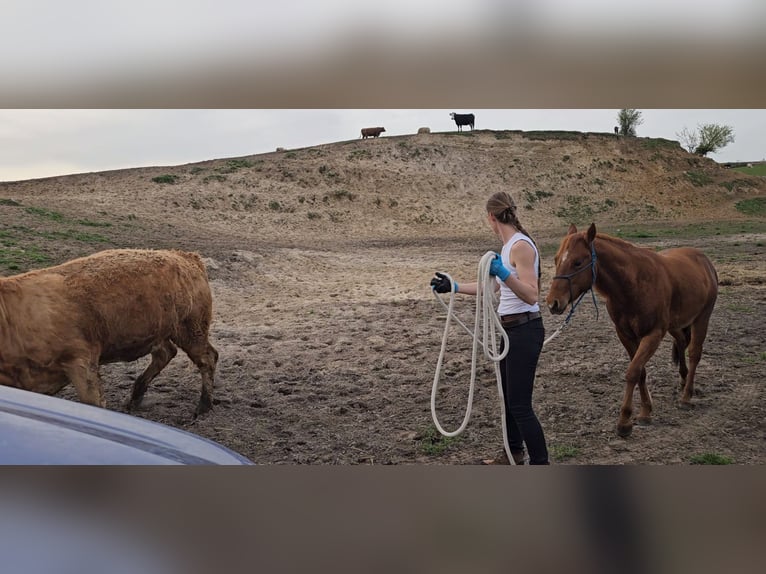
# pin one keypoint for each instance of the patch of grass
(17, 259)
(4, 201)
(328, 172)
(753, 359)
(710, 458)
(739, 308)
(341, 193)
(553, 135)
(166, 179)
(74, 234)
(88, 223)
(238, 163)
(759, 169)
(275, 206)
(197, 169)
(659, 143)
(313, 215)
(734, 184)
(234, 165)
(214, 177)
(432, 443)
(534, 197)
(698, 179)
(561, 452)
(579, 210)
(753, 206)
(44, 213)
(359, 154)
(690, 230)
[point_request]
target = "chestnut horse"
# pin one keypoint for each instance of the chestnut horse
(648, 294)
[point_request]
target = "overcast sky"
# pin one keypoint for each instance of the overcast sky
(43, 143)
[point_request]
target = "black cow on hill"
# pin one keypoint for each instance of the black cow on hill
(462, 120)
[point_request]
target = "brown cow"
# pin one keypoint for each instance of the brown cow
(372, 132)
(57, 325)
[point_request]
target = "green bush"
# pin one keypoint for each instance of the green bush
(710, 458)
(167, 178)
(752, 206)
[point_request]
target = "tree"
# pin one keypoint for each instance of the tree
(688, 139)
(629, 119)
(714, 137)
(708, 138)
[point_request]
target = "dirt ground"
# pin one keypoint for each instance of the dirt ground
(328, 357)
(328, 332)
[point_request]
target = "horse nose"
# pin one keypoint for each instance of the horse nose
(554, 307)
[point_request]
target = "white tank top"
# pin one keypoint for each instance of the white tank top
(509, 301)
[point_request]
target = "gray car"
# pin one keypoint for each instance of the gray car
(37, 429)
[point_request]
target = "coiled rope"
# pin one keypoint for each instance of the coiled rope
(486, 317)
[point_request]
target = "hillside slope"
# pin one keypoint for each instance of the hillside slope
(391, 188)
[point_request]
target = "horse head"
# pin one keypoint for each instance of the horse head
(575, 256)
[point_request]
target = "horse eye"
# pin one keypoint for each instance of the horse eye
(578, 262)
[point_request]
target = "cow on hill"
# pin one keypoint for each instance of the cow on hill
(463, 120)
(372, 132)
(57, 325)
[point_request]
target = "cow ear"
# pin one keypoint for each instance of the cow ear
(572, 229)
(591, 233)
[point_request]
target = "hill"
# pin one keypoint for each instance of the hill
(391, 188)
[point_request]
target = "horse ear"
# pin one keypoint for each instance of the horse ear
(572, 229)
(591, 233)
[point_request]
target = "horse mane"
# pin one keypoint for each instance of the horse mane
(620, 243)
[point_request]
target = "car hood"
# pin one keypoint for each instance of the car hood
(38, 429)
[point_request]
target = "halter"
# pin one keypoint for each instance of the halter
(592, 266)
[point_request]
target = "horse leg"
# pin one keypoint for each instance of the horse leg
(636, 375)
(645, 414)
(162, 354)
(681, 339)
(698, 334)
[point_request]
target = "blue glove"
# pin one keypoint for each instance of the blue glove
(497, 269)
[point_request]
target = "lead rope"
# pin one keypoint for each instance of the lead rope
(486, 317)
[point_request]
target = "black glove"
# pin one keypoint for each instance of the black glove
(441, 283)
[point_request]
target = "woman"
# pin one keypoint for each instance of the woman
(517, 270)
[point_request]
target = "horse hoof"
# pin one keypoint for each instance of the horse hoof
(624, 430)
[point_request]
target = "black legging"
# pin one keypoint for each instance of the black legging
(517, 372)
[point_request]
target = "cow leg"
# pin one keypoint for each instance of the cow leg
(698, 334)
(646, 348)
(162, 354)
(84, 376)
(195, 343)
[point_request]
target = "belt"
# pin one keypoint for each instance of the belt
(517, 319)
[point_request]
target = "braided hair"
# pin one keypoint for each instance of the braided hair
(502, 206)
